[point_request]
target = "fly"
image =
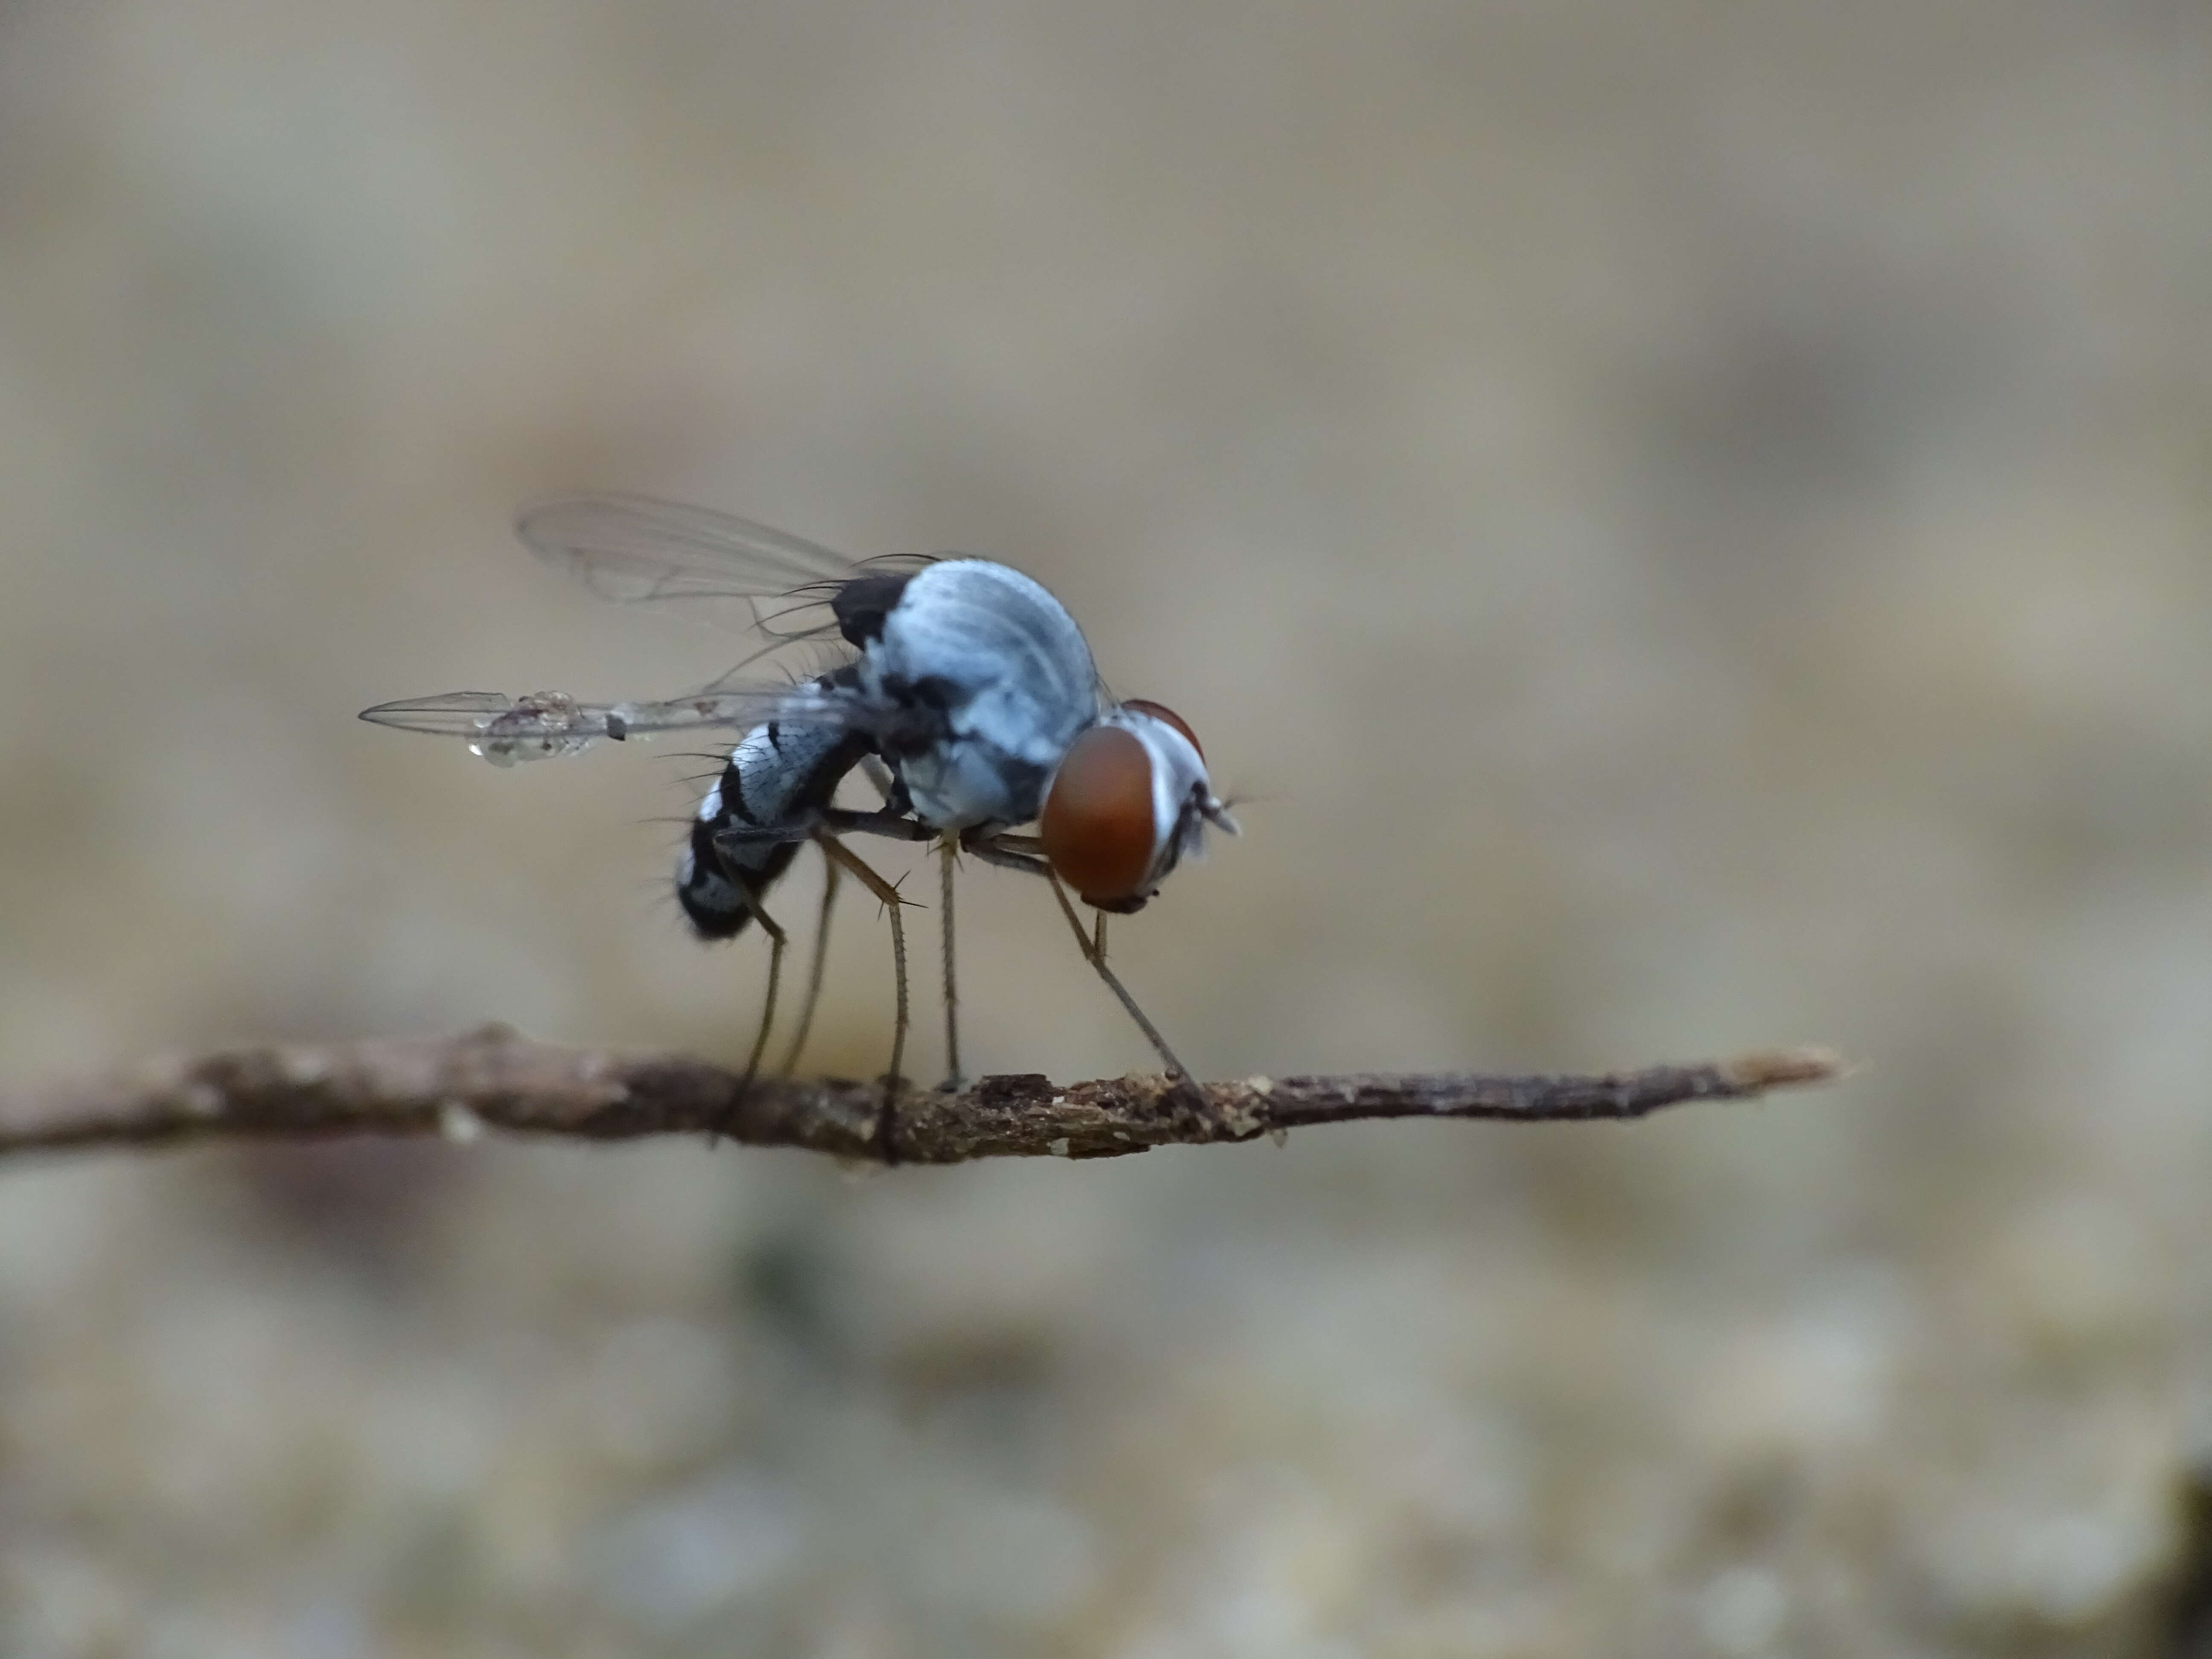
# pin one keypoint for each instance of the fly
(968, 695)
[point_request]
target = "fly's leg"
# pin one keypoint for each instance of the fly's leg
(835, 820)
(1006, 852)
(775, 938)
(948, 847)
(894, 821)
(1094, 952)
(873, 770)
(1012, 853)
(887, 1117)
(898, 826)
(831, 874)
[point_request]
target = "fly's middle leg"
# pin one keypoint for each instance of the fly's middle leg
(948, 849)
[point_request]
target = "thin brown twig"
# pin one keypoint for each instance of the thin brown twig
(457, 1085)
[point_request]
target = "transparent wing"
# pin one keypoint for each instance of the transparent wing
(634, 549)
(546, 725)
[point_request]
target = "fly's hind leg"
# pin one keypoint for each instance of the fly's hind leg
(832, 872)
(887, 1116)
(776, 940)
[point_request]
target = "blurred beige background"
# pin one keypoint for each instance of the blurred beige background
(1690, 525)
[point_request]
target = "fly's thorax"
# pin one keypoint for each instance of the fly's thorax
(964, 781)
(1130, 799)
(995, 681)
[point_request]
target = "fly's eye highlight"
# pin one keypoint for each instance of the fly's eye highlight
(1161, 712)
(1099, 832)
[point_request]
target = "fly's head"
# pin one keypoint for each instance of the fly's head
(1130, 799)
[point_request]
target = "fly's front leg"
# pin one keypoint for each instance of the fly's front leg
(887, 1117)
(1004, 851)
(1015, 852)
(1094, 952)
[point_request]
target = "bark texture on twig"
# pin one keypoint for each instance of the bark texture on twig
(457, 1085)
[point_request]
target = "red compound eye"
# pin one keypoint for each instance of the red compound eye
(1099, 829)
(1160, 711)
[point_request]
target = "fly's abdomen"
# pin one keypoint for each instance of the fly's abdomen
(713, 893)
(777, 777)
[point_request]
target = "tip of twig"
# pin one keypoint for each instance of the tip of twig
(1784, 1068)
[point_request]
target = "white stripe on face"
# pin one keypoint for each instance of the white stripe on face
(1177, 769)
